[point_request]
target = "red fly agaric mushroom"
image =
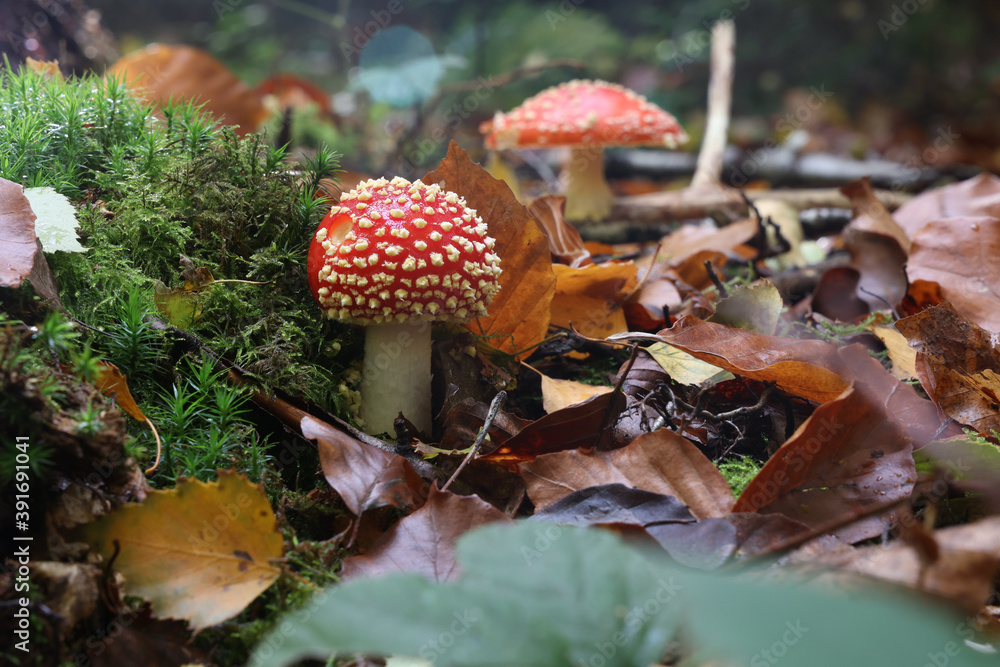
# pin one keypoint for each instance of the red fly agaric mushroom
(586, 116)
(395, 256)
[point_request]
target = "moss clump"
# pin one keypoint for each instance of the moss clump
(159, 199)
(738, 472)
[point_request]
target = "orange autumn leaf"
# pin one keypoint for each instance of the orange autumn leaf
(17, 234)
(519, 315)
(200, 552)
(161, 72)
(112, 383)
(590, 298)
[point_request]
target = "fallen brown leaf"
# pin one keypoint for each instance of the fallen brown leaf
(364, 476)
(978, 196)
(963, 256)
(424, 542)
(520, 312)
(564, 241)
(958, 364)
(160, 72)
(661, 462)
(17, 234)
(590, 298)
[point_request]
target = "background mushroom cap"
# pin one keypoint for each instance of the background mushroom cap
(580, 114)
(413, 251)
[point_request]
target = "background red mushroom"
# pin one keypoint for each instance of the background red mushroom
(586, 116)
(395, 256)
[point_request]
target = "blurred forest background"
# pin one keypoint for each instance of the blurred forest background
(901, 73)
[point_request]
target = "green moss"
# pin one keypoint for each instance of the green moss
(738, 472)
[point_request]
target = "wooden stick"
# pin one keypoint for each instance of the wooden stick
(720, 95)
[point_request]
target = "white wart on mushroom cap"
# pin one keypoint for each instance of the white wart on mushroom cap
(414, 252)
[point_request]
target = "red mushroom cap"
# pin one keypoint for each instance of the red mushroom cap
(580, 114)
(413, 251)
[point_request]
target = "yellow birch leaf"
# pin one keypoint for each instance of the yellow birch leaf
(199, 552)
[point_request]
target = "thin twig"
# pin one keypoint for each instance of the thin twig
(719, 285)
(720, 93)
(495, 406)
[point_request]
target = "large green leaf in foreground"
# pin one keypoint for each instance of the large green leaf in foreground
(536, 594)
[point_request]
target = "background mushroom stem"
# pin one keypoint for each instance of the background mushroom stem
(397, 375)
(588, 196)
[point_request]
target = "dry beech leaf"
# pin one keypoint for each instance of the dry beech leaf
(978, 196)
(591, 298)
(564, 241)
(870, 216)
(424, 542)
(963, 572)
(520, 312)
(558, 394)
(690, 239)
(836, 295)
(586, 424)
(662, 462)
(199, 552)
(958, 364)
(811, 369)
(17, 235)
(160, 72)
(799, 367)
(364, 476)
(903, 357)
(963, 256)
(111, 382)
(839, 468)
(683, 368)
(465, 419)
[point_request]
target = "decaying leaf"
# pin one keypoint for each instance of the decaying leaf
(17, 234)
(558, 394)
(903, 357)
(799, 367)
(364, 476)
(978, 196)
(520, 312)
(181, 307)
(564, 241)
(199, 552)
(161, 72)
(958, 364)
(661, 462)
(590, 298)
(111, 382)
(56, 224)
(585, 424)
(424, 542)
(963, 256)
(847, 462)
(684, 368)
(836, 295)
(755, 307)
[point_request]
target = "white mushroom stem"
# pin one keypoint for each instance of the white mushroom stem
(397, 375)
(588, 196)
